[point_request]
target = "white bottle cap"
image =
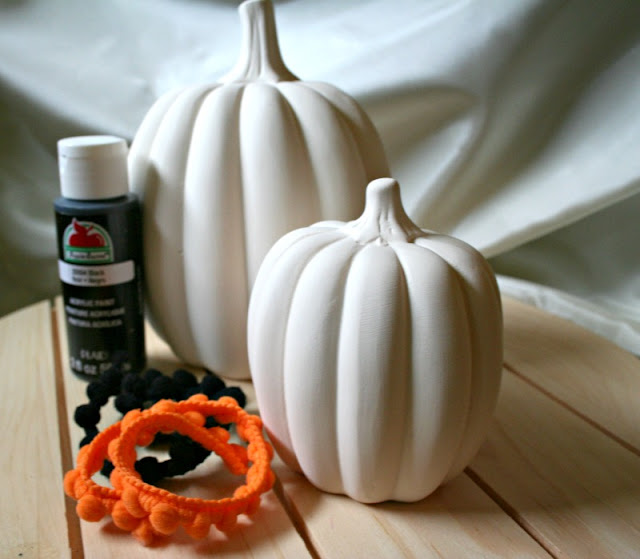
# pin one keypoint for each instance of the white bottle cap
(93, 167)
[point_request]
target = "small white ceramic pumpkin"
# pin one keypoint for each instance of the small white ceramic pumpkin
(376, 352)
(223, 171)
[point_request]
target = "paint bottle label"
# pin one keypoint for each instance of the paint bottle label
(101, 288)
(100, 257)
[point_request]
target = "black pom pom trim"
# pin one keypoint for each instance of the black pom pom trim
(111, 379)
(126, 401)
(184, 379)
(135, 385)
(134, 391)
(98, 393)
(87, 415)
(211, 385)
(235, 392)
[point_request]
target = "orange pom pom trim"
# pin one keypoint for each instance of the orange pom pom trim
(79, 485)
(148, 511)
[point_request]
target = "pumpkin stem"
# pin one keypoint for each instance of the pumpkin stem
(260, 58)
(384, 219)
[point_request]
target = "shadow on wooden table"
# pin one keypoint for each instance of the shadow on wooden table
(544, 474)
(559, 471)
(212, 481)
(565, 479)
(249, 536)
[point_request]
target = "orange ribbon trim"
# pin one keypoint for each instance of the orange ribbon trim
(148, 511)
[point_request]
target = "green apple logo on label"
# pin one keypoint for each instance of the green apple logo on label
(86, 242)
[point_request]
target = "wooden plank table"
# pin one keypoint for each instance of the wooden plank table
(558, 476)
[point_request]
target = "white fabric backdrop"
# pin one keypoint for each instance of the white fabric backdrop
(512, 124)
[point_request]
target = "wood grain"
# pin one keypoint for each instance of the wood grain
(587, 373)
(269, 533)
(559, 474)
(575, 489)
(32, 508)
(458, 520)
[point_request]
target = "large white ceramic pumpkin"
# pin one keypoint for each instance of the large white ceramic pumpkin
(376, 352)
(226, 169)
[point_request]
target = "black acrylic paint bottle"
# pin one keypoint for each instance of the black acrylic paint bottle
(99, 236)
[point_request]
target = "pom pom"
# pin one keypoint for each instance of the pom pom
(184, 379)
(198, 397)
(228, 521)
(162, 439)
(87, 416)
(98, 392)
(90, 508)
(83, 455)
(107, 468)
(79, 488)
(195, 417)
(127, 401)
(200, 526)
(148, 512)
(116, 479)
(189, 392)
(164, 519)
(181, 449)
(162, 388)
(144, 532)
(150, 469)
(89, 435)
(150, 375)
(145, 438)
(221, 433)
(122, 518)
(129, 418)
(185, 455)
(131, 502)
(234, 392)
(69, 482)
(111, 379)
(164, 406)
(210, 385)
(135, 384)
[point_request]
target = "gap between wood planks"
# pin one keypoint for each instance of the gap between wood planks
(74, 532)
(73, 523)
(295, 517)
(503, 503)
(512, 513)
(573, 410)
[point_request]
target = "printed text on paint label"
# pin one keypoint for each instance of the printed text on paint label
(96, 276)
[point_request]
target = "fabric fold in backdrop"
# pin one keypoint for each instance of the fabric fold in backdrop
(512, 125)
